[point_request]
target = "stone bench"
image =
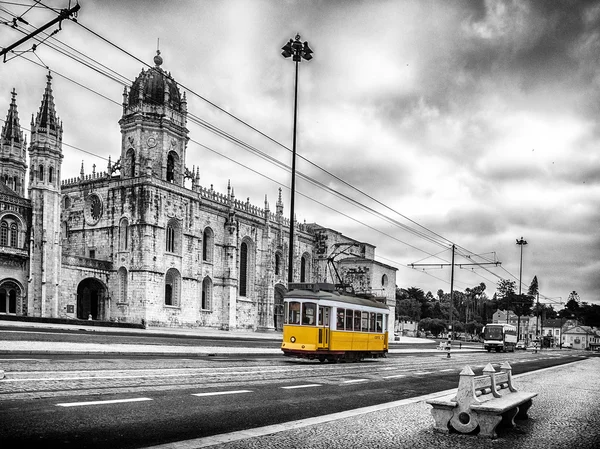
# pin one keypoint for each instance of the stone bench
(481, 402)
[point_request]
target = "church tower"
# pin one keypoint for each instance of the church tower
(153, 127)
(45, 157)
(12, 151)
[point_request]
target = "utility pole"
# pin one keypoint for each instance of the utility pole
(452, 265)
(452, 290)
(299, 51)
(521, 243)
(64, 14)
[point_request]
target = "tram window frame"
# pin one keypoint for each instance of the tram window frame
(323, 319)
(285, 312)
(372, 322)
(349, 319)
(294, 312)
(339, 319)
(357, 318)
(364, 322)
(309, 313)
(379, 322)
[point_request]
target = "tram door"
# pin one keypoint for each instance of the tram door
(323, 325)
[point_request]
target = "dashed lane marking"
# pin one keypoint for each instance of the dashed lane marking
(112, 401)
(446, 370)
(353, 381)
(217, 393)
(394, 376)
(422, 373)
(291, 387)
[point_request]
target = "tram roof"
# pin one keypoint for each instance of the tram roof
(331, 295)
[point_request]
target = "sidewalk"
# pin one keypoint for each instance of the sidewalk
(565, 414)
(202, 349)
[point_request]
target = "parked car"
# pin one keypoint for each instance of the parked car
(520, 345)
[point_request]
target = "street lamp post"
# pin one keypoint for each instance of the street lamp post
(298, 50)
(521, 243)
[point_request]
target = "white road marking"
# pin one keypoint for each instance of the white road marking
(113, 401)
(216, 393)
(291, 387)
(351, 381)
(445, 370)
(422, 373)
(394, 376)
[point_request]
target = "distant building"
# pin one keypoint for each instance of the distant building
(580, 337)
(143, 241)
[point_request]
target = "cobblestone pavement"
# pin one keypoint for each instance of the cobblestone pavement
(565, 414)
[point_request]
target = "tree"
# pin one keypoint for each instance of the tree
(533, 287)
(435, 326)
(573, 302)
(505, 293)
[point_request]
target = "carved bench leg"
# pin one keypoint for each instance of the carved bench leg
(523, 409)
(488, 424)
(509, 417)
(442, 418)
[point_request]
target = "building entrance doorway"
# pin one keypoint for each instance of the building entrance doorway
(91, 300)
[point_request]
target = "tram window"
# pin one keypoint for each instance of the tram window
(379, 322)
(340, 319)
(372, 323)
(349, 317)
(357, 320)
(365, 322)
(324, 316)
(294, 315)
(285, 312)
(309, 312)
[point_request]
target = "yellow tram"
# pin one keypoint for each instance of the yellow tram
(321, 323)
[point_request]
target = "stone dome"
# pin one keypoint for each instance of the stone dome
(152, 83)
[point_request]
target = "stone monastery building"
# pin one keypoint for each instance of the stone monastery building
(134, 244)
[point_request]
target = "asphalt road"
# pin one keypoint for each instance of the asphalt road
(131, 402)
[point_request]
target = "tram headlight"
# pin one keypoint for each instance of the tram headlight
(293, 339)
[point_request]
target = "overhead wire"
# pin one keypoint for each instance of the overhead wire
(441, 240)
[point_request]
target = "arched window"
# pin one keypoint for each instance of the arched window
(130, 156)
(277, 264)
(9, 232)
(170, 168)
(172, 287)
(303, 269)
(4, 233)
(206, 293)
(50, 174)
(122, 284)
(207, 245)
(384, 280)
(64, 227)
(124, 235)
(172, 236)
(8, 298)
(67, 202)
(14, 235)
(243, 269)
(41, 173)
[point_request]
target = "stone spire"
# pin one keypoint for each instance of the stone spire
(12, 150)
(46, 119)
(11, 131)
(279, 205)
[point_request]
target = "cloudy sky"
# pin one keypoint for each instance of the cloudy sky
(420, 123)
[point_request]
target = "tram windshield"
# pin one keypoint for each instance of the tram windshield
(492, 333)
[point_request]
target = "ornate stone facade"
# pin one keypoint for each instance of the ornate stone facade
(143, 241)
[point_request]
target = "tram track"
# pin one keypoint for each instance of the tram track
(44, 383)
